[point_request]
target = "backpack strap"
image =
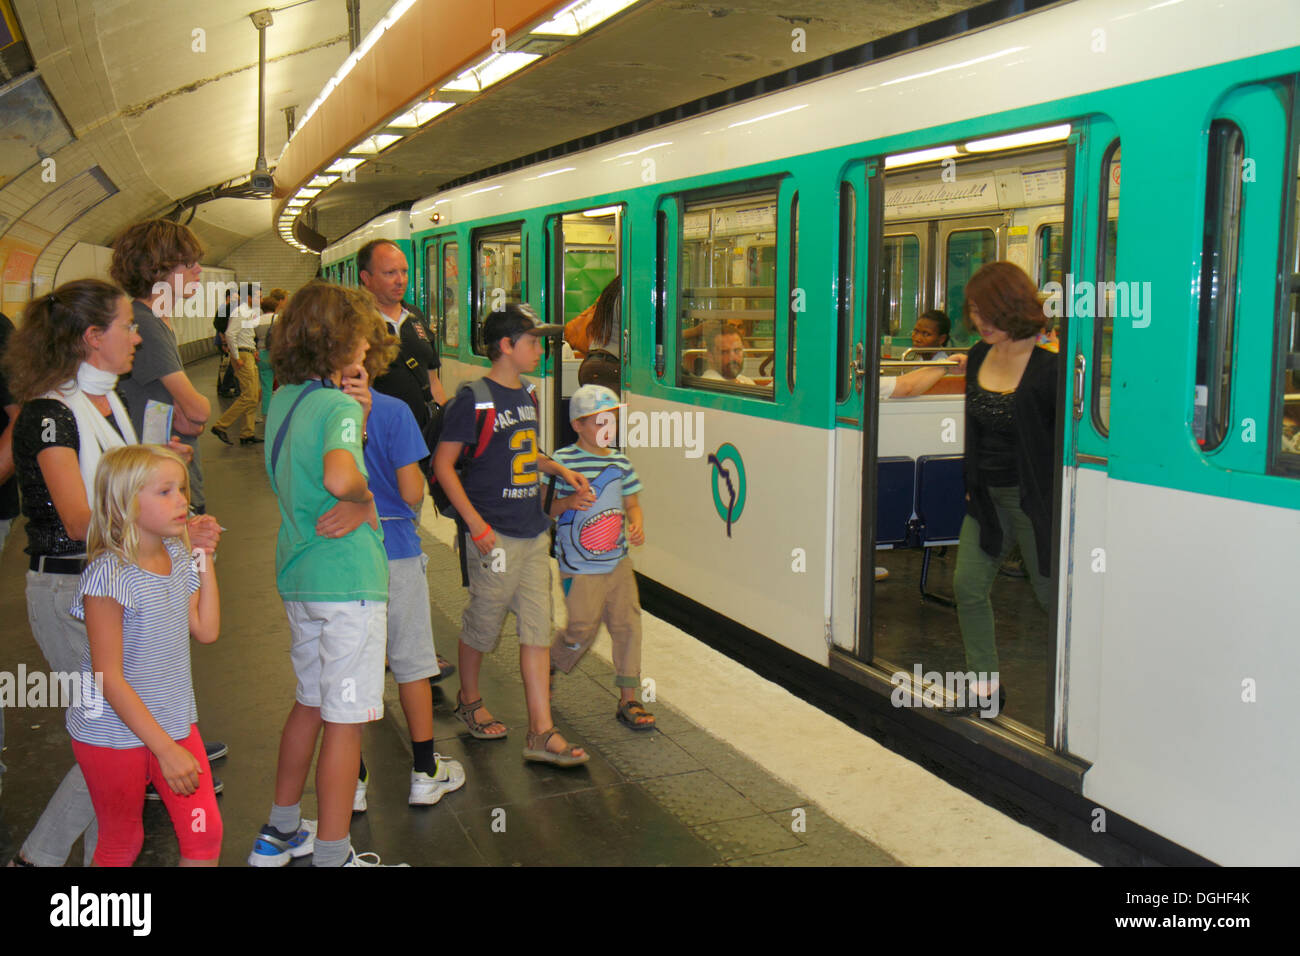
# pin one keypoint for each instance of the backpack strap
(284, 426)
(485, 414)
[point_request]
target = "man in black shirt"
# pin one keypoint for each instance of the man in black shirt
(413, 376)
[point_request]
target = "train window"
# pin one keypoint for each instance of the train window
(726, 336)
(449, 294)
(796, 294)
(968, 250)
(901, 290)
(1107, 253)
(1051, 252)
(498, 274)
(1289, 425)
(1218, 284)
(844, 293)
(586, 263)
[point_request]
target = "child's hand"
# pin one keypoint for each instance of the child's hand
(180, 769)
(484, 538)
(635, 532)
(182, 449)
(575, 480)
(357, 384)
(346, 517)
(580, 500)
(205, 533)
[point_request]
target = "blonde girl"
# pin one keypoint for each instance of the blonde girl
(142, 596)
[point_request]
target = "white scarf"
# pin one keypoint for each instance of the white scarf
(94, 435)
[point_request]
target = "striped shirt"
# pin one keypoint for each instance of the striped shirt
(155, 648)
(593, 541)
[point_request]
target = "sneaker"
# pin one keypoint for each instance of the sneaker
(359, 798)
(215, 749)
(274, 849)
(368, 859)
(445, 669)
(881, 573)
(426, 789)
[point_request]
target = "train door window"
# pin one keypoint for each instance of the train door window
(728, 293)
(498, 274)
(1218, 284)
(844, 292)
(1050, 252)
(1289, 431)
(965, 253)
(796, 294)
(586, 264)
(449, 294)
(901, 290)
(1104, 327)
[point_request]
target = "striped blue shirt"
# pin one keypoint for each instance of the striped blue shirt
(593, 541)
(155, 647)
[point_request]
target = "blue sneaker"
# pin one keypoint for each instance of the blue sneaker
(272, 849)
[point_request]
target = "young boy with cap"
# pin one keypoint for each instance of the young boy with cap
(504, 530)
(591, 547)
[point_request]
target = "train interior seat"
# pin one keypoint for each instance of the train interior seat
(940, 508)
(895, 500)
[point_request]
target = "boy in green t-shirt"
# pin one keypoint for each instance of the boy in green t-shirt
(328, 522)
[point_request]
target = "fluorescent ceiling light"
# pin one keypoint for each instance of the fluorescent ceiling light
(344, 164)
(294, 205)
(320, 182)
(602, 211)
(375, 144)
(420, 114)
(1030, 137)
(920, 156)
(577, 18)
(306, 193)
(492, 69)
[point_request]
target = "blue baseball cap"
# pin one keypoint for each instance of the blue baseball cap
(591, 399)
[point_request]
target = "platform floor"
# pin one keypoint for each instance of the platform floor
(740, 772)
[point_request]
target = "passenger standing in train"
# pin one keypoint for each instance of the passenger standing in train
(591, 546)
(413, 376)
(143, 595)
(501, 518)
(337, 622)
(593, 335)
(63, 366)
(272, 303)
(145, 255)
(1010, 429)
(241, 341)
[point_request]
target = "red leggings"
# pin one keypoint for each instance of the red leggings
(116, 780)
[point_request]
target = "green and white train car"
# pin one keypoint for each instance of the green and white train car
(820, 220)
(338, 260)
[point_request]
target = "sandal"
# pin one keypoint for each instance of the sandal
(628, 712)
(536, 751)
(466, 710)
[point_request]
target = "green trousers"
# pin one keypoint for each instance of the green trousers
(976, 571)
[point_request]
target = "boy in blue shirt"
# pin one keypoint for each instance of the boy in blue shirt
(393, 451)
(591, 547)
(504, 532)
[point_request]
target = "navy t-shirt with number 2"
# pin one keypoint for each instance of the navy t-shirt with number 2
(502, 483)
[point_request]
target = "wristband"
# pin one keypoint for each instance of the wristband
(486, 532)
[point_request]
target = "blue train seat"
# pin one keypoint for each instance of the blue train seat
(940, 509)
(895, 499)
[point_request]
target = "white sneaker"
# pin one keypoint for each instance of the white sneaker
(360, 859)
(359, 798)
(427, 790)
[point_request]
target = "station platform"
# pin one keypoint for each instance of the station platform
(739, 772)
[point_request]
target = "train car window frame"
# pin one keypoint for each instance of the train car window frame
(795, 291)
(449, 244)
(496, 231)
(1107, 263)
(1217, 287)
(734, 208)
(1284, 447)
(557, 271)
(845, 285)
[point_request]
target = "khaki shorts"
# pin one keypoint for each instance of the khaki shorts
(514, 576)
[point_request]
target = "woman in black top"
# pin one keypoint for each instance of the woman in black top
(1010, 431)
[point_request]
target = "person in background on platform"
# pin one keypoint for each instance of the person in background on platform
(63, 365)
(272, 303)
(500, 507)
(337, 621)
(142, 596)
(146, 257)
(394, 450)
(241, 337)
(598, 580)
(1010, 427)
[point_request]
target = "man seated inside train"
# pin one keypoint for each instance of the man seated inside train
(727, 357)
(932, 331)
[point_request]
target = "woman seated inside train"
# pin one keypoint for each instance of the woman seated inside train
(932, 331)
(1010, 427)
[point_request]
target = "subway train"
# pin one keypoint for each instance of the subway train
(818, 222)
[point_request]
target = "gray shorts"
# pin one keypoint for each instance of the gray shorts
(338, 657)
(410, 626)
(515, 576)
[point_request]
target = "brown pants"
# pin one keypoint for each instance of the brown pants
(250, 397)
(612, 598)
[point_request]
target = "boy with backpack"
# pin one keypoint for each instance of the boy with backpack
(503, 531)
(591, 547)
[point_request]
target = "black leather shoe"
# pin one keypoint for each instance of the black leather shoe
(254, 440)
(221, 433)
